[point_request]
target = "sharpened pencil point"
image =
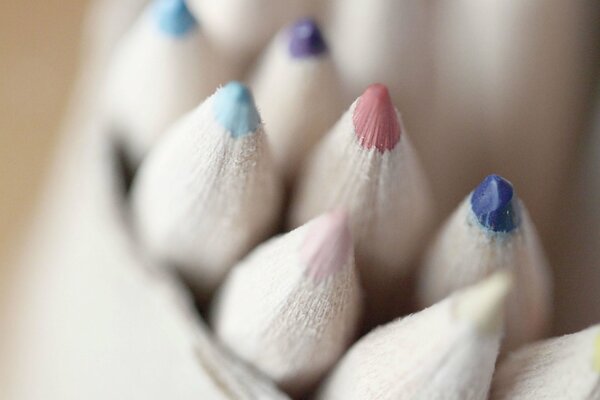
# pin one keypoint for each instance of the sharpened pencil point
(173, 17)
(327, 245)
(597, 353)
(492, 204)
(375, 119)
(483, 303)
(306, 39)
(235, 110)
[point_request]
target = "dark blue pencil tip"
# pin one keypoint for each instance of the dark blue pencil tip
(492, 204)
(173, 17)
(235, 110)
(306, 39)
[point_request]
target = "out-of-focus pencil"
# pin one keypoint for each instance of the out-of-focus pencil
(241, 27)
(104, 24)
(162, 68)
(367, 165)
(562, 368)
(577, 269)
(490, 231)
(292, 306)
(298, 93)
(447, 351)
(208, 192)
(386, 41)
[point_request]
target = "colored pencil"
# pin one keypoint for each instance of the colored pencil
(162, 68)
(208, 192)
(105, 22)
(385, 41)
(298, 93)
(447, 351)
(367, 165)
(240, 28)
(491, 231)
(577, 269)
(292, 306)
(92, 319)
(562, 368)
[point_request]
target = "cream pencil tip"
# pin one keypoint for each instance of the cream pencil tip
(597, 353)
(327, 245)
(483, 303)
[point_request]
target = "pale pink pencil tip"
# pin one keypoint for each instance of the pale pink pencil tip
(327, 245)
(375, 120)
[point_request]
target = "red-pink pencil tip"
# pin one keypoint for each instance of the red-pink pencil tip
(327, 245)
(375, 121)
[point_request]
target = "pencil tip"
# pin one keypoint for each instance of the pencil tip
(492, 204)
(483, 303)
(597, 353)
(173, 17)
(235, 110)
(306, 39)
(327, 245)
(375, 119)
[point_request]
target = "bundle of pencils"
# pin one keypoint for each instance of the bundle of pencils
(291, 212)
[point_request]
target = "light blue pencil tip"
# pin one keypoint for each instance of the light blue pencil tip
(235, 110)
(173, 17)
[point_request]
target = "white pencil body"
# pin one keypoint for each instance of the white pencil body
(105, 23)
(384, 41)
(578, 269)
(203, 198)
(239, 28)
(386, 196)
(153, 79)
(563, 368)
(445, 352)
(90, 319)
(288, 323)
(299, 99)
(465, 253)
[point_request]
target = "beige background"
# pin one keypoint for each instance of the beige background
(38, 59)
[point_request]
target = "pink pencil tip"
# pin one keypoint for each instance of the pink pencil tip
(327, 245)
(375, 121)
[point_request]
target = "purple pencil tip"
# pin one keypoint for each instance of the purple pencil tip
(306, 39)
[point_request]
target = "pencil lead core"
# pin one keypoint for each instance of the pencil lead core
(597, 353)
(483, 303)
(492, 204)
(375, 120)
(235, 110)
(173, 17)
(306, 39)
(327, 245)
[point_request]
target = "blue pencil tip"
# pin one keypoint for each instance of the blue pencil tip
(492, 204)
(306, 39)
(173, 17)
(235, 110)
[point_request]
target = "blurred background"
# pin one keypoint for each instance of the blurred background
(39, 43)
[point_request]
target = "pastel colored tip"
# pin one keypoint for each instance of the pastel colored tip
(327, 245)
(375, 120)
(235, 110)
(483, 303)
(597, 353)
(173, 17)
(306, 39)
(492, 204)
